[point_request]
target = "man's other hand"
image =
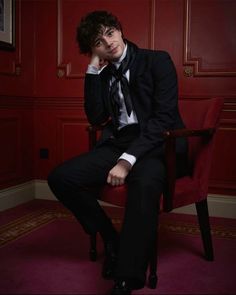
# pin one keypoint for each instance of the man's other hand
(118, 173)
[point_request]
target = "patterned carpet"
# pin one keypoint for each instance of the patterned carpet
(30, 222)
(43, 250)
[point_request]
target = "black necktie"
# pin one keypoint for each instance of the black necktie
(119, 77)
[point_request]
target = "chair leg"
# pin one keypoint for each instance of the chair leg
(152, 279)
(93, 247)
(204, 224)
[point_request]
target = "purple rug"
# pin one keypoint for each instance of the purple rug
(43, 250)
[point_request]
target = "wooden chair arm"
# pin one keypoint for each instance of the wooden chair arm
(185, 132)
(93, 129)
(188, 132)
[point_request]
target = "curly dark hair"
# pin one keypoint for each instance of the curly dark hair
(93, 24)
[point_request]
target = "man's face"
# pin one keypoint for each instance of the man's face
(109, 44)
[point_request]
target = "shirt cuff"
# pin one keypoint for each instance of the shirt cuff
(130, 158)
(92, 70)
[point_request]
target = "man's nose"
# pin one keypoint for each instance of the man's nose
(108, 42)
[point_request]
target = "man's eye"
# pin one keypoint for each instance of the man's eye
(110, 33)
(97, 43)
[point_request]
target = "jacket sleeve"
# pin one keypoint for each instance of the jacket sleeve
(164, 112)
(94, 103)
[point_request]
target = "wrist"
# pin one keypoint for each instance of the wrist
(129, 158)
(125, 164)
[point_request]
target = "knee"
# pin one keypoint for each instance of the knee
(55, 179)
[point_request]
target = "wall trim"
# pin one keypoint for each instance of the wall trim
(42, 190)
(16, 195)
(219, 205)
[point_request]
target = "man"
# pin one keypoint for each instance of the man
(134, 93)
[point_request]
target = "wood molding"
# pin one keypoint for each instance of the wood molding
(192, 65)
(9, 102)
(63, 69)
(229, 100)
(65, 146)
(219, 206)
(152, 23)
(59, 102)
(15, 195)
(16, 102)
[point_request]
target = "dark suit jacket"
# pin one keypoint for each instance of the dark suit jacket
(154, 94)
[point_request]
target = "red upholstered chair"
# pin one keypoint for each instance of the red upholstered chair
(201, 119)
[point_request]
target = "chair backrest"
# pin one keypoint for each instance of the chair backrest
(198, 114)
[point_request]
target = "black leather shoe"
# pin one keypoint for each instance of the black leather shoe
(121, 287)
(109, 265)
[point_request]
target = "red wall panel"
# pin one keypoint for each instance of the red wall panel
(223, 180)
(16, 146)
(42, 81)
(61, 130)
(208, 39)
(9, 157)
(72, 137)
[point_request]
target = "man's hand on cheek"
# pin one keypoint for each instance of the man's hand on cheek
(97, 61)
(118, 173)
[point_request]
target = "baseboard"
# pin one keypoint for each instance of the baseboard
(42, 190)
(219, 205)
(16, 195)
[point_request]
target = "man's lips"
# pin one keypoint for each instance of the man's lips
(112, 51)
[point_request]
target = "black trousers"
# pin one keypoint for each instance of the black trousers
(77, 182)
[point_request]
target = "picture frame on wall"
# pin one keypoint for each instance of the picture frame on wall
(7, 24)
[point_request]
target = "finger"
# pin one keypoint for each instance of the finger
(121, 182)
(114, 182)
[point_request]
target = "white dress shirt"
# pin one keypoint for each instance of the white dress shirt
(124, 118)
